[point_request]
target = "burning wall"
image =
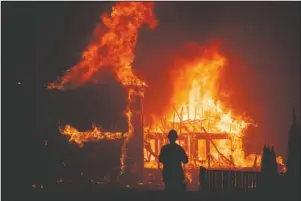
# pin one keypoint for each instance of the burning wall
(195, 111)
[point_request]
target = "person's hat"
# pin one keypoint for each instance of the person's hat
(172, 134)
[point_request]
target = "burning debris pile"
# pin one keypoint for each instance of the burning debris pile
(210, 134)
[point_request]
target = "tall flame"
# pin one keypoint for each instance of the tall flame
(114, 47)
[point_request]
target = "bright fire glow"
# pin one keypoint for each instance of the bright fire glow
(199, 116)
(196, 113)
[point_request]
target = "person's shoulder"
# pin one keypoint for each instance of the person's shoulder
(164, 146)
(179, 147)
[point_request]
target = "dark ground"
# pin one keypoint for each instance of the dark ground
(116, 192)
(148, 195)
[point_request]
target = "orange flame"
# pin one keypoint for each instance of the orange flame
(113, 47)
(281, 164)
(95, 134)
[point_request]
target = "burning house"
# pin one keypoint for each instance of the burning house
(211, 135)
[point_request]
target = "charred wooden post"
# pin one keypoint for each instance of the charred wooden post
(135, 144)
(208, 152)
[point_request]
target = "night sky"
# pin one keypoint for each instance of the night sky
(42, 40)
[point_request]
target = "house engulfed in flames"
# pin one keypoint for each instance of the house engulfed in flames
(211, 135)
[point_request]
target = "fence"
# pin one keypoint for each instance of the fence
(224, 181)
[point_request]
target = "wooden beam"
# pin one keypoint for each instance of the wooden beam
(198, 136)
(215, 136)
(208, 156)
(224, 157)
(149, 149)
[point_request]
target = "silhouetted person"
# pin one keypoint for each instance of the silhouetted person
(172, 156)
